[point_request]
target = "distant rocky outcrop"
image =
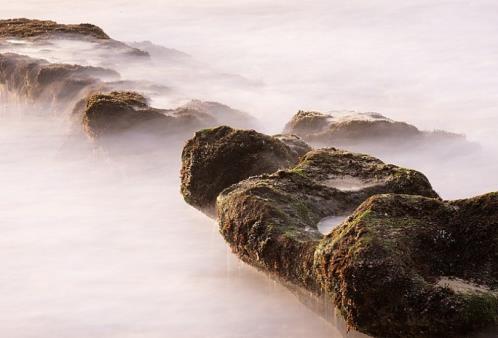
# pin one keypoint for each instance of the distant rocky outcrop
(42, 32)
(411, 266)
(365, 131)
(216, 158)
(55, 85)
(23, 28)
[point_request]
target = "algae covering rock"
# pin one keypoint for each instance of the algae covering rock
(270, 221)
(410, 266)
(115, 113)
(216, 158)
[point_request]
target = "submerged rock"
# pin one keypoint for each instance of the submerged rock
(410, 266)
(365, 131)
(216, 158)
(270, 221)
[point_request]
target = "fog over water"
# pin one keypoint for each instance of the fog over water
(98, 246)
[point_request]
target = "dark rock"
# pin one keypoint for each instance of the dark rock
(270, 221)
(216, 158)
(410, 266)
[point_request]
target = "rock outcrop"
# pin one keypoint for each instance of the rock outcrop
(364, 132)
(23, 28)
(216, 158)
(404, 263)
(56, 85)
(110, 114)
(41, 33)
(410, 266)
(270, 221)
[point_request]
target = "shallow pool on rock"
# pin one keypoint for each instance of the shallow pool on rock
(327, 224)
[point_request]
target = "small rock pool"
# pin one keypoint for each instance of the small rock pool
(327, 224)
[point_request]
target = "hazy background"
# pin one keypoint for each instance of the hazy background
(433, 64)
(90, 247)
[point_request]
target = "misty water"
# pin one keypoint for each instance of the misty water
(98, 246)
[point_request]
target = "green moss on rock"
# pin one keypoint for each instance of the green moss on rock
(385, 266)
(270, 221)
(216, 158)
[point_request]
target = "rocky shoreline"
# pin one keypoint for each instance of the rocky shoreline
(390, 267)
(402, 263)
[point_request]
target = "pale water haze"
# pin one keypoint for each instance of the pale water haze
(96, 246)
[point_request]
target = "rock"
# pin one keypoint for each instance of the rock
(295, 143)
(366, 132)
(411, 266)
(115, 113)
(216, 158)
(56, 85)
(40, 34)
(25, 28)
(270, 221)
(232, 117)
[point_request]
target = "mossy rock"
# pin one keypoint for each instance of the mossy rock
(116, 113)
(270, 221)
(25, 28)
(366, 132)
(216, 158)
(411, 266)
(119, 112)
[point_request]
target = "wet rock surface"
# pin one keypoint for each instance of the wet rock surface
(216, 158)
(410, 266)
(270, 221)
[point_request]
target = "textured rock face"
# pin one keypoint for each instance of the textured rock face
(52, 84)
(26, 28)
(409, 266)
(216, 158)
(270, 221)
(362, 130)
